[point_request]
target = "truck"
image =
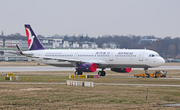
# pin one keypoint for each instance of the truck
(156, 74)
(160, 73)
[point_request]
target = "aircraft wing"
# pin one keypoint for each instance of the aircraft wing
(67, 59)
(55, 58)
(18, 53)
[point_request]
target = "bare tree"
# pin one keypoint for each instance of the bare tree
(172, 49)
(179, 49)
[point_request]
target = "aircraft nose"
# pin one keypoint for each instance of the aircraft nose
(162, 61)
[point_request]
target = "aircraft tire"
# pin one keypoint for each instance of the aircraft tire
(78, 73)
(102, 73)
(148, 76)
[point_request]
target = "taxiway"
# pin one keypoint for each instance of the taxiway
(52, 68)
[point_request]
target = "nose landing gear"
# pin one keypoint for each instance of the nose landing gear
(145, 69)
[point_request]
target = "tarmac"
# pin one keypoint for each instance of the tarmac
(52, 68)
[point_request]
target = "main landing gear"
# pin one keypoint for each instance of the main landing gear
(78, 73)
(102, 73)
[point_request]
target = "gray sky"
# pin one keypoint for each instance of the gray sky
(160, 18)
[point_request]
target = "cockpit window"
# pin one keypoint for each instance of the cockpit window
(154, 55)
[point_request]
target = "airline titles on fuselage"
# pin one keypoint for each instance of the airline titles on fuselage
(119, 54)
(125, 53)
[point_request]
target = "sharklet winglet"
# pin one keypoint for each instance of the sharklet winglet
(19, 49)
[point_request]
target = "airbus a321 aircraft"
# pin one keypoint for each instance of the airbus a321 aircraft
(119, 60)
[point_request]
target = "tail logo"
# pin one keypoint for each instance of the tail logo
(30, 38)
(33, 41)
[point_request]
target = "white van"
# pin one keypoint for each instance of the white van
(6, 59)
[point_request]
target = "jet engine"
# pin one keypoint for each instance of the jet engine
(87, 67)
(121, 70)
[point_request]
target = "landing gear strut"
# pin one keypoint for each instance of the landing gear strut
(102, 73)
(78, 73)
(145, 69)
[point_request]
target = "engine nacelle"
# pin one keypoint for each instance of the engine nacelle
(121, 70)
(87, 67)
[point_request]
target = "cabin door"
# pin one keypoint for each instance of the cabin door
(40, 56)
(111, 57)
(76, 56)
(141, 56)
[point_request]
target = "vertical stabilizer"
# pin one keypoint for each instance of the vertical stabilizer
(33, 41)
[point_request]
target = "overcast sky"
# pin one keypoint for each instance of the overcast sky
(160, 18)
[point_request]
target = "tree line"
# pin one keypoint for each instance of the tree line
(167, 47)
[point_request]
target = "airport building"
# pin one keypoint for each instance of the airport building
(146, 40)
(47, 43)
(110, 45)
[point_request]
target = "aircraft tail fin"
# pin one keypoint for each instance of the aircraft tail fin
(33, 41)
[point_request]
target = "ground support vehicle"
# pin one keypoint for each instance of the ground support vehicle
(156, 74)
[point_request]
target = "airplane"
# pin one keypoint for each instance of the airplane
(87, 60)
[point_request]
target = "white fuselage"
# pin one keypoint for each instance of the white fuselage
(104, 58)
